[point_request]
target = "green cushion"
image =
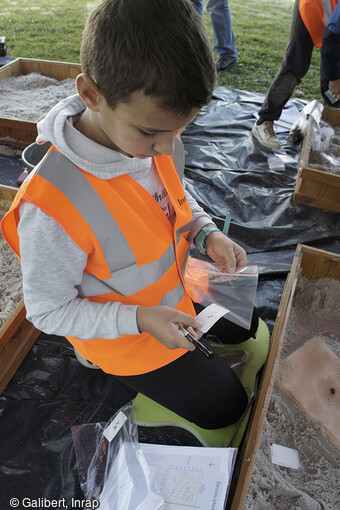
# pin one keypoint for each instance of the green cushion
(149, 413)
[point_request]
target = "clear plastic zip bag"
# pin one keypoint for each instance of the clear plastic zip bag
(111, 465)
(209, 283)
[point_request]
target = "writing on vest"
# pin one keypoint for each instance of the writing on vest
(182, 201)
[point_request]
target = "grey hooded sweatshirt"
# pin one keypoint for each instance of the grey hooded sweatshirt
(52, 264)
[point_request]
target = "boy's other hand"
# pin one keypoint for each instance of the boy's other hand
(161, 322)
(225, 252)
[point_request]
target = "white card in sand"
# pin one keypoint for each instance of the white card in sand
(284, 456)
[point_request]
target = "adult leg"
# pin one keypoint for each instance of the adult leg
(294, 66)
(199, 6)
(224, 39)
(205, 392)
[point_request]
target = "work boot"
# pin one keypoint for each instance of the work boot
(265, 134)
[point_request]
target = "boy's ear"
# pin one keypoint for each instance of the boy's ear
(88, 91)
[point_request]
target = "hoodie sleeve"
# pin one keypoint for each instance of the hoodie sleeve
(52, 266)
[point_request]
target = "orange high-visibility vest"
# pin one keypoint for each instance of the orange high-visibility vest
(315, 15)
(135, 256)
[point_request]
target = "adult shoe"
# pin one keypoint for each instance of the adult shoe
(224, 62)
(265, 134)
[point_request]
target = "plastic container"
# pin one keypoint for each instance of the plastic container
(34, 153)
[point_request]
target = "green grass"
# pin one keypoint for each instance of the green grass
(52, 30)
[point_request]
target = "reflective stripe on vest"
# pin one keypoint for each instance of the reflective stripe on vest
(126, 277)
(315, 15)
(67, 178)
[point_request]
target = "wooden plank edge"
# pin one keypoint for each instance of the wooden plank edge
(28, 336)
(7, 70)
(317, 202)
(12, 324)
(320, 176)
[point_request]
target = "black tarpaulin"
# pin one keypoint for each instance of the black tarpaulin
(226, 170)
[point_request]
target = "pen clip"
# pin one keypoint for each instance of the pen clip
(201, 346)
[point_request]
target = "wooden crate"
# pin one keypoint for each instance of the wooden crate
(312, 263)
(25, 132)
(314, 187)
(17, 335)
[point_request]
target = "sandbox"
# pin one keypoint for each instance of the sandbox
(304, 418)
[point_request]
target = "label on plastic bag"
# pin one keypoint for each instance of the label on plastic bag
(112, 430)
(210, 315)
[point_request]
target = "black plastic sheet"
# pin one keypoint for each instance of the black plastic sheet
(226, 170)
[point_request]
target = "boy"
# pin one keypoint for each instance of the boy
(103, 224)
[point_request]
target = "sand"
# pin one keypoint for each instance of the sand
(29, 97)
(10, 278)
(311, 377)
(315, 485)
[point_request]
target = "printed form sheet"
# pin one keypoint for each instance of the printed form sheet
(190, 478)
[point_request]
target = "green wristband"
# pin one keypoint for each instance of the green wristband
(203, 233)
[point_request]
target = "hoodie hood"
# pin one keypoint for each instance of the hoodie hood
(58, 128)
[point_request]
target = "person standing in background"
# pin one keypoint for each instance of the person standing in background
(310, 18)
(224, 39)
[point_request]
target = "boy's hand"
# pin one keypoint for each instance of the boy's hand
(225, 252)
(161, 322)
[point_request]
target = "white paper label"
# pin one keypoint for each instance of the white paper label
(210, 315)
(115, 426)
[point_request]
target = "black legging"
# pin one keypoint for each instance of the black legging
(206, 392)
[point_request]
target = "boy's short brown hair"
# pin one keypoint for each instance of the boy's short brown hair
(159, 47)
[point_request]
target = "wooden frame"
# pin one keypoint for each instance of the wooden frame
(314, 187)
(25, 132)
(18, 335)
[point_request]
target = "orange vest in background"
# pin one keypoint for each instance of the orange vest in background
(315, 15)
(135, 256)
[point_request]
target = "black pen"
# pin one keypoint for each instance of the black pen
(205, 349)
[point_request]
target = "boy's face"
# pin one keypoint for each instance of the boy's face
(139, 128)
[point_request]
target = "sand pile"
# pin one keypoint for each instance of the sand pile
(29, 97)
